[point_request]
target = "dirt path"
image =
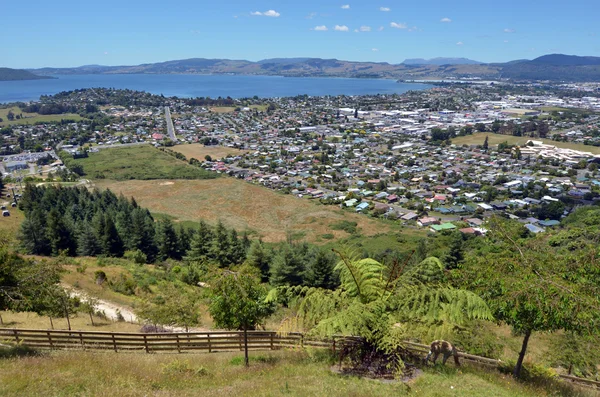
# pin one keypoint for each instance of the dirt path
(112, 310)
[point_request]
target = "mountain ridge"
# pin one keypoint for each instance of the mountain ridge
(554, 67)
(9, 74)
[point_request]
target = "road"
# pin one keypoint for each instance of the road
(170, 128)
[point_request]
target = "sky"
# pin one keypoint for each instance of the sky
(68, 33)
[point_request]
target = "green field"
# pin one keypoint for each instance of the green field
(142, 162)
(495, 139)
(32, 118)
(293, 373)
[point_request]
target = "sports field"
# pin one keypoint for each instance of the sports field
(199, 151)
(32, 118)
(243, 206)
(495, 139)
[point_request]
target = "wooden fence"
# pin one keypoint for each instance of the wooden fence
(203, 341)
(155, 342)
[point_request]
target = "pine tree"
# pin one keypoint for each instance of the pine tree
(58, 234)
(220, 249)
(142, 233)
(166, 240)
(87, 241)
(113, 245)
(485, 144)
(33, 234)
(260, 258)
(319, 272)
(200, 244)
(287, 268)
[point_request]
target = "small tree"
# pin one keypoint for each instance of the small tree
(486, 144)
(238, 302)
(170, 306)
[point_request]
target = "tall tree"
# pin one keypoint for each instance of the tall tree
(166, 240)
(536, 283)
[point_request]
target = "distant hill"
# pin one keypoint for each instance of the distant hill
(441, 61)
(8, 74)
(554, 67)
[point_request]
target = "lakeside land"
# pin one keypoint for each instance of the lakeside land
(415, 184)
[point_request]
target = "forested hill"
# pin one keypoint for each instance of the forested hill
(8, 74)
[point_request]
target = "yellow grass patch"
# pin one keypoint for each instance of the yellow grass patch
(242, 206)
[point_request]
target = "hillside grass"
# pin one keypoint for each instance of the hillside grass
(294, 373)
(495, 139)
(79, 321)
(32, 118)
(199, 151)
(243, 206)
(142, 162)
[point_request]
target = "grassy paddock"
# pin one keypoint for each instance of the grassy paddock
(32, 118)
(270, 374)
(242, 206)
(495, 139)
(199, 151)
(139, 162)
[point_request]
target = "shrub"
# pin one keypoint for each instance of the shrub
(123, 285)
(183, 367)
(17, 351)
(99, 277)
(328, 236)
(136, 256)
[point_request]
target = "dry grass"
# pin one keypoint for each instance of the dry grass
(199, 151)
(242, 206)
(270, 374)
(495, 139)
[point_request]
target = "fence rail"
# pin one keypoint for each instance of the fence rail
(217, 341)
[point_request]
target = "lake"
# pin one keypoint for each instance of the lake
(186, 86)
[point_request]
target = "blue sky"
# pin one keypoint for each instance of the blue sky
(72, 33)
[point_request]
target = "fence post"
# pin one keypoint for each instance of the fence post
(114, 343)
(209, 346)
(178, 347)
(301, 340)
(146, 344)
(81, 340)
(272, 335)
(16, 336)
(334, 345)
(50, 339)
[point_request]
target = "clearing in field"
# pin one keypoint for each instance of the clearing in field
(139, 162)
(243, 206)
(199, 151)
(231, 109)
(495, 139)
(32, 118)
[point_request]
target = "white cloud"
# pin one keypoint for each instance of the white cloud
(270, 13)
(346, 7)
(460, 43)
(398, 25)
(341, 28)
(365, 28)
(321, 28)
(374, 49)
(385, 9)
(381, 28)
(446, 20)
(507, 30)
(311, 15)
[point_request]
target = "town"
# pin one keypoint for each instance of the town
(423, 159)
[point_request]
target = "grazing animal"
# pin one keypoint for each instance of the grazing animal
(446, 348)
